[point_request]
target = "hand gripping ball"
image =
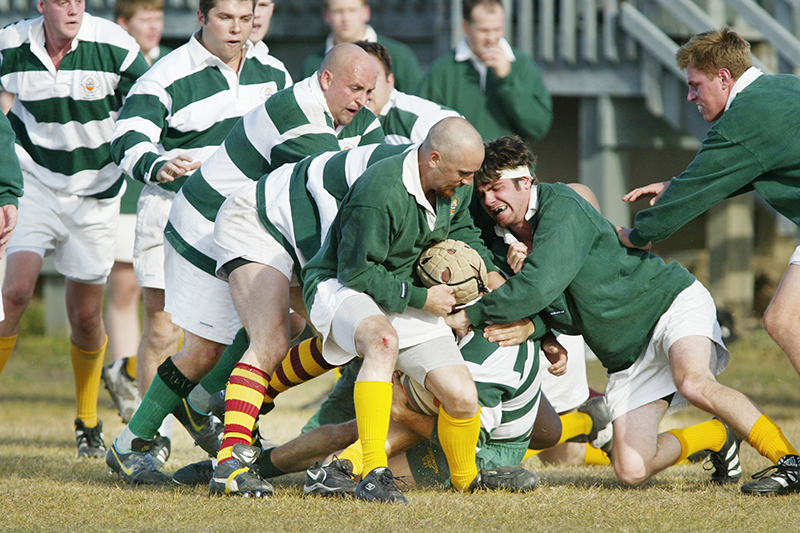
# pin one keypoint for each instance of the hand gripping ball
(455, 264)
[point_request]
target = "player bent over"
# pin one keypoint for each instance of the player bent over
(652, 325)
(359, 292)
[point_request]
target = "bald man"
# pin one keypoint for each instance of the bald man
(360, 291)
(325, 112)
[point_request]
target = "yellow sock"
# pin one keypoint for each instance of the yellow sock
(768, 440)
(354, 454)
(530, 453)
(373, 401)
(243, 397)
(130, 366)
(709, 435)
(595, 456)
(458, 438)
(574, 424)
(87, 367)
(6, 347)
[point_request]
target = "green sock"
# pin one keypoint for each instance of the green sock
(217, 379)
(159, 401)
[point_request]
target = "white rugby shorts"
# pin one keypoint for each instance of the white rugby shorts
(650, 378)
(199, 302)
(795, 259)
(152, 214)
(569, 391)
(80, 230)
(126, 234)
(239, 233)
(337, 312)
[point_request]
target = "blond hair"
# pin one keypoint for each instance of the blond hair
(713, 50)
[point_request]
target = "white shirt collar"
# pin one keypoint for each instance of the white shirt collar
(316, 92)
(413, 182)
(200, 54)
(370, 35)
(741, 84)
(533, 206)
(463, 53)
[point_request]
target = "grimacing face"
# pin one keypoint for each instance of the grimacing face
(505, 201)
(709, 95)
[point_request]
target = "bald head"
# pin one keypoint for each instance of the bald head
(347, 78)
(449, 156)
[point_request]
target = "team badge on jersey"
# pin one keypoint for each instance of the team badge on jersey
(90, 85)
(268, 90)
(348, 144)
(453, 206)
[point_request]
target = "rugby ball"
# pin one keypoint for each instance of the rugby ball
(420, 400)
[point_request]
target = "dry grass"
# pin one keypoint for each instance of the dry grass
(43, 488)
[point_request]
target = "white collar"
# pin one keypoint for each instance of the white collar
(533, 206)
(37, 35)
(200, 53)
(370, 35)
(315, 88)
(464, 53)
(413, 183)
(741, 84)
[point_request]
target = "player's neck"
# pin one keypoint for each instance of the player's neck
(523, 232)
(56, 48)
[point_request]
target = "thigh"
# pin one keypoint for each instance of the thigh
(252, 285)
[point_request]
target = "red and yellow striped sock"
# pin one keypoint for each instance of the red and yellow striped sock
(768, 439)
(709, 435)
(373, 402)
(302, 363)
(595, 456)
(130, 366)
(355, 455)
(243, 398)
(6, 347)
(87, 368)
(458, 438)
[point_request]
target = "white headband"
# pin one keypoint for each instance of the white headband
(519, 172)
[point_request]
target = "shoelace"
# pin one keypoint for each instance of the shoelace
(780, 469)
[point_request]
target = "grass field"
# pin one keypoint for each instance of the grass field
(44, 488)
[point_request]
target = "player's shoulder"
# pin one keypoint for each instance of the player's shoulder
(261, 53)
(104, 31)
(17, 33)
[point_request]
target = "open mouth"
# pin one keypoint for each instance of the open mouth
(499, 210)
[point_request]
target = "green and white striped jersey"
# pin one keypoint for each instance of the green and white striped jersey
(509, 386)
(297, 203)
(64, 119)
(292, 124)
(186, 104)
(407, 118)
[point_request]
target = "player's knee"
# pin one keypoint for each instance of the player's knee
(377, 338)
(695, 389)
(461, 401)
(84, 319)
(342, 435)
(632, 475)
(18, 293)
(778, 324)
